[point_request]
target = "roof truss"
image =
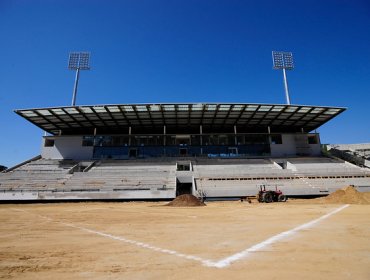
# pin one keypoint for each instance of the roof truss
(72, 120)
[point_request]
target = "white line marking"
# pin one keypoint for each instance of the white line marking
(218, 264)
(276, 238)
(137, 243)
(143, 245)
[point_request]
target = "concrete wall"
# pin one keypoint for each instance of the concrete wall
(315, 149)
(70, 147)
(288, 147)
(86, 195)
(67, 147)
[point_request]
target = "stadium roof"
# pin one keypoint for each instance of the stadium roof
(84, 119)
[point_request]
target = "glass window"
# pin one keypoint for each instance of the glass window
(240, 139)
(49, 143)
(256, 139)
(103, 141)
(210, 140)
(312, 139)
(276, 139)
(87, 141)
(195, 140)
(222, 140)
(170, 140)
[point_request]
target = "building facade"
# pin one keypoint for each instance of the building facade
(180, 130)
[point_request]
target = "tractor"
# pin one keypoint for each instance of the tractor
(270, 195)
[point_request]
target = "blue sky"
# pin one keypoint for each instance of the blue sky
(182, 51)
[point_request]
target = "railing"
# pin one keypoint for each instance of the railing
(156, 187)
(22, 163)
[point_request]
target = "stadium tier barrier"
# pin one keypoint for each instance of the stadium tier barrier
(157, 178)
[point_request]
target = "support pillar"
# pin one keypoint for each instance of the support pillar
(164, 140)
(235, 137)
(201, 139)
(129, 135)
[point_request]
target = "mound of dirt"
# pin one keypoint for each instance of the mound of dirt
(186, 200)
(347, 195)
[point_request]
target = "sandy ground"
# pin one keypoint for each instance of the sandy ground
(142, 240)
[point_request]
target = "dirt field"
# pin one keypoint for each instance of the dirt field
(222, 240)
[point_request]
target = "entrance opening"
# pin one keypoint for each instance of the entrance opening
(183, 166)
(183, 188)
(49, 142)
(132, 153)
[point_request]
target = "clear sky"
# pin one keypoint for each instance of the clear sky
(152, 51)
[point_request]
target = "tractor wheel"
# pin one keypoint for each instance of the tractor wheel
(267, 197)
(282, 198)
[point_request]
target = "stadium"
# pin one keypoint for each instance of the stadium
(160, 151)
(156, 171)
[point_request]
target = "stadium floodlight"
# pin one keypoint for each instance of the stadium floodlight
(78, 61)
(284, 61)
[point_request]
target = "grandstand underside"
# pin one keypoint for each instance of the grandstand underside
(159, 151)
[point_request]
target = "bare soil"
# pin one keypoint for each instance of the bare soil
(186, 200)
(348, 195)
(137, 240)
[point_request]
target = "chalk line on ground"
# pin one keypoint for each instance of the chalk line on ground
(225, 262)
(276, 238)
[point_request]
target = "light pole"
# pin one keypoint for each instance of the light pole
(78, 61)
(284, 61)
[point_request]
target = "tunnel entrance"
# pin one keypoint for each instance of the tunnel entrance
(183, 188)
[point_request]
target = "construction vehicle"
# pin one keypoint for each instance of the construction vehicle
(268, 196)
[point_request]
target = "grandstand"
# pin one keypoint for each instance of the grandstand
(158, 151)
(355, 153)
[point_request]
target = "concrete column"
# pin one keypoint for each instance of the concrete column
(201, 139)
(129, 135)
(164, 135)
(235, 138)
(269, 132)
(164, 140)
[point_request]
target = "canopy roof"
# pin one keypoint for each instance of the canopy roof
(112, 118)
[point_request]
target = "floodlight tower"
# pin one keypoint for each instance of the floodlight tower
(78, 61)
(283, 60)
